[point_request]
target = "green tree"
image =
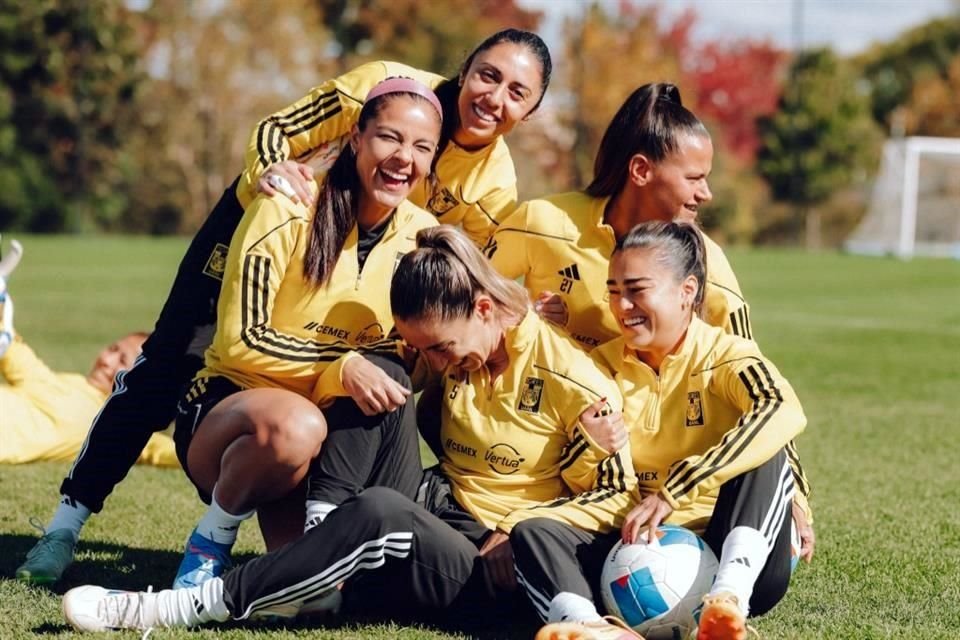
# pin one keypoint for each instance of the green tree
(69, 75)
(921, 55)
(215, 69)
(821, 139)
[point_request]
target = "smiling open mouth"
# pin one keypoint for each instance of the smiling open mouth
(484, 115)
(635, 322)
(393, 179)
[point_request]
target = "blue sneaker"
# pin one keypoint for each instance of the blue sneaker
(202, 559)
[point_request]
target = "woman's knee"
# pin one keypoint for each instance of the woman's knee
(526, 532)
(381, 503)
(294, 435)
(288, 428)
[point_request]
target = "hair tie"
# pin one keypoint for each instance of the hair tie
(399, 84)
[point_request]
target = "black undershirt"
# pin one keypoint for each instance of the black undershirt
(367, 239)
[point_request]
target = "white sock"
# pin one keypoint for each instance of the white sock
(317, 512)
(219, 525)
(70, 514)
(569, 607)
(187, 607)
(741, 560)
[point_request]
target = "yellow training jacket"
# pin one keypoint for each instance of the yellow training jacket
(474, 188)
(45, 416)
(276, 330)
(561, 244)
(717, 409)
(514, 448)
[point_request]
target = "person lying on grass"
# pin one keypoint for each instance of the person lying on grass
(46, 413)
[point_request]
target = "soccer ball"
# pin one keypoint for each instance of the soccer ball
(657, 588)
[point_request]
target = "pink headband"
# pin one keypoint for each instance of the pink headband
(398, 84)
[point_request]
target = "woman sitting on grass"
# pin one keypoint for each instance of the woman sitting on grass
(710, 418)
(526, 425)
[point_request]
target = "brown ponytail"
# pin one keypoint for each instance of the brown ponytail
(442, 277)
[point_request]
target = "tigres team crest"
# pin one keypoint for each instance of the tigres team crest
(531, 394)
(217, 262)
(441, 201)
(694, 409)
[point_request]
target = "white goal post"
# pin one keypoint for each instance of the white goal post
(915, 205)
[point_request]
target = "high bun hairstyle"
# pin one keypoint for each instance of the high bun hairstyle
(650, 122)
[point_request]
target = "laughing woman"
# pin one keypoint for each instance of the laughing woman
(303, 320)
(711, 418)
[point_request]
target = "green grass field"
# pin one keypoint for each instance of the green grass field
(871, 345)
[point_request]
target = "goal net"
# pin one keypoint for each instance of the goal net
(915, 205)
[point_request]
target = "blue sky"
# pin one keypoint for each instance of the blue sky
(849, 26)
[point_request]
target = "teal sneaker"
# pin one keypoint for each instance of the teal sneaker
(49, 558)
(202, 559)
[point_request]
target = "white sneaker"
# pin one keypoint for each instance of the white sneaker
(92, 608)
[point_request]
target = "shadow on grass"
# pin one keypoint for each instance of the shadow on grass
(101, 563)
(132, 568)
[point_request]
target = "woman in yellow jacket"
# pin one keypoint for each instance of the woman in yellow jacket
(501, 82)
(304, 320)
(709, 420)
(46, 413)
(524, 413)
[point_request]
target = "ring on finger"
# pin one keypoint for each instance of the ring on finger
(281, 184)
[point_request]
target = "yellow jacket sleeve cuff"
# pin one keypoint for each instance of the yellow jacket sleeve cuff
(671, 501)
(329, 385)
(804, 504)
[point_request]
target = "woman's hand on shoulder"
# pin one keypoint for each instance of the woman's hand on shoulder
(651, 511)
(605, 427)
(371, 388)
(551, 307)
(290, 178)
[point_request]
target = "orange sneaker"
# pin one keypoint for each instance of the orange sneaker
(722, 619)
(609, 628)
